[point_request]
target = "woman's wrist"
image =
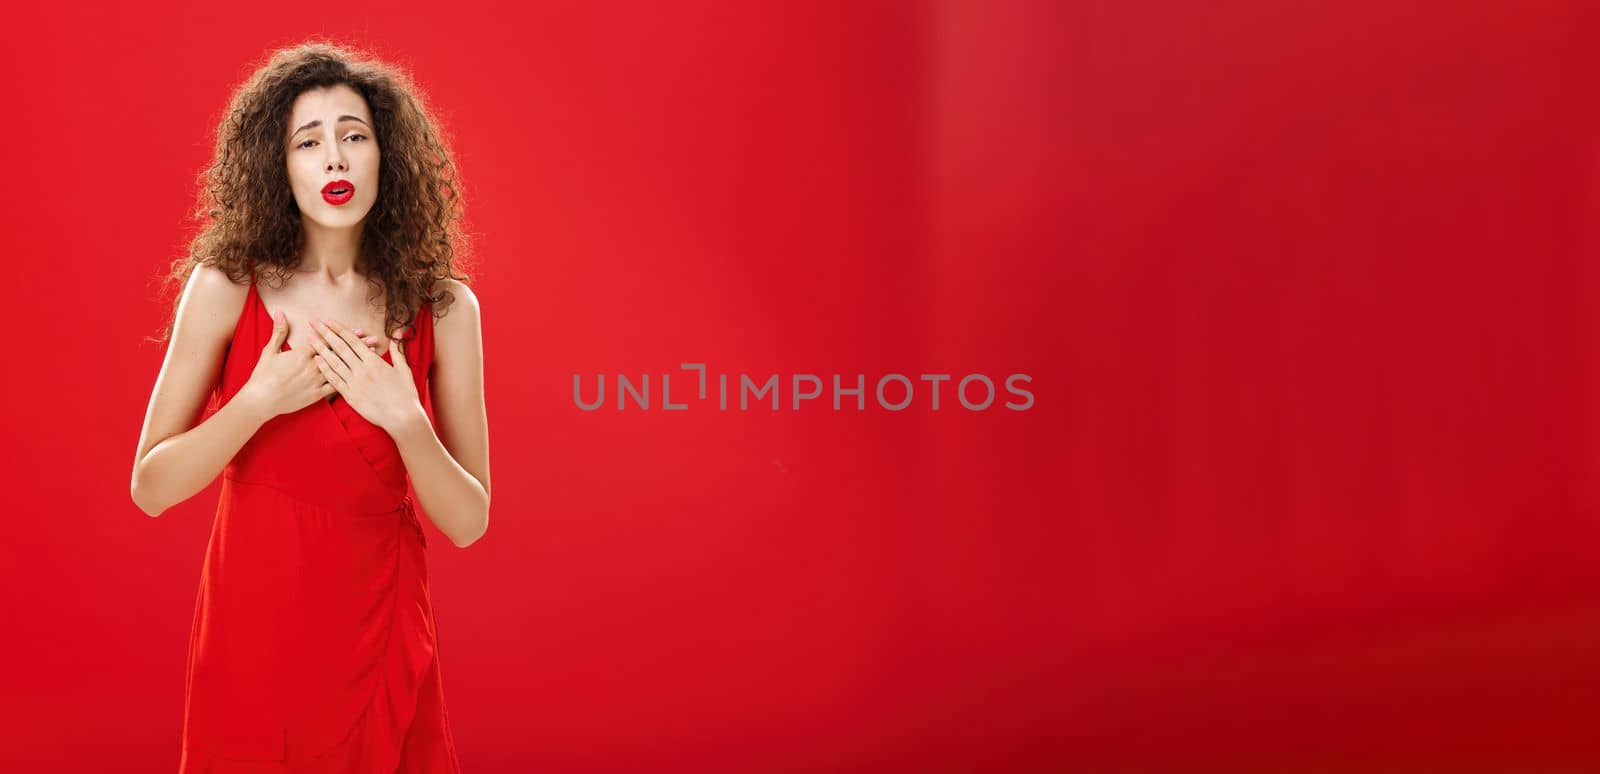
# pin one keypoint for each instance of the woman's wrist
(253, 405)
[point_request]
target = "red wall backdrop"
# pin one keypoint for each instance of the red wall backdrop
(1304, 290)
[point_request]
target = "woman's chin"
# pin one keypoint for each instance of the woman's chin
(339, 218)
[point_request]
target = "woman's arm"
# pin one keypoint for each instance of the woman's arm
(175, 458)
(450, 470)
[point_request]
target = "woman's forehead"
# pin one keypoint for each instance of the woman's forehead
(328, 103)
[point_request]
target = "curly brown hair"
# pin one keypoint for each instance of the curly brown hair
(411, 237)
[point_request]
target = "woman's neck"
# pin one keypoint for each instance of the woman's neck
(332, 253)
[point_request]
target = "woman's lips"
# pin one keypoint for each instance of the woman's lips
(338, 192)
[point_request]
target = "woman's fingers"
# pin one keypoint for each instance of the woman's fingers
(338, 346)
(397, 353)
(280, 331)
(341, 355)
(345, 335)
(331, 359)
(336, 380)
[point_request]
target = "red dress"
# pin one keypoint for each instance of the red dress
(313, 647)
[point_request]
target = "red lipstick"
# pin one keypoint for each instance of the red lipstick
(338, 192)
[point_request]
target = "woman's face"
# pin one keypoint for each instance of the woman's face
(332, 146)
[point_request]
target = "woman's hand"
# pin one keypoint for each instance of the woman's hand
(384, 394)
(285, 382)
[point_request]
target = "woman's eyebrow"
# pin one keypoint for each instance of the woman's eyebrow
(318, 123)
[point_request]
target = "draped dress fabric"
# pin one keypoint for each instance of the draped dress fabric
(313, 647)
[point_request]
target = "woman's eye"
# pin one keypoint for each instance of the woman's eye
(307, 143)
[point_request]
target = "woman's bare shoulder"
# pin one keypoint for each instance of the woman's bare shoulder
(460, 297)
(458, 333)
(212, 302)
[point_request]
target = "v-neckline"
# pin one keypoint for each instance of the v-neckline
(262, 305)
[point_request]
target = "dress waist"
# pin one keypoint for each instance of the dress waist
(409, 510)
(406, 508)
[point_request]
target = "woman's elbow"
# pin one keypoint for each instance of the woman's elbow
(149, 510)
(142, 499)
(483, 527)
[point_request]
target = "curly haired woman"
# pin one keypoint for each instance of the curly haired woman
(314, 647)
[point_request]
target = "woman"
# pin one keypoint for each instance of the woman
(314, 647)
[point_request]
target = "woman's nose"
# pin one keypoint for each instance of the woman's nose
(335, 161)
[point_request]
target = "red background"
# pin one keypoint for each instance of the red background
(1303, 288)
